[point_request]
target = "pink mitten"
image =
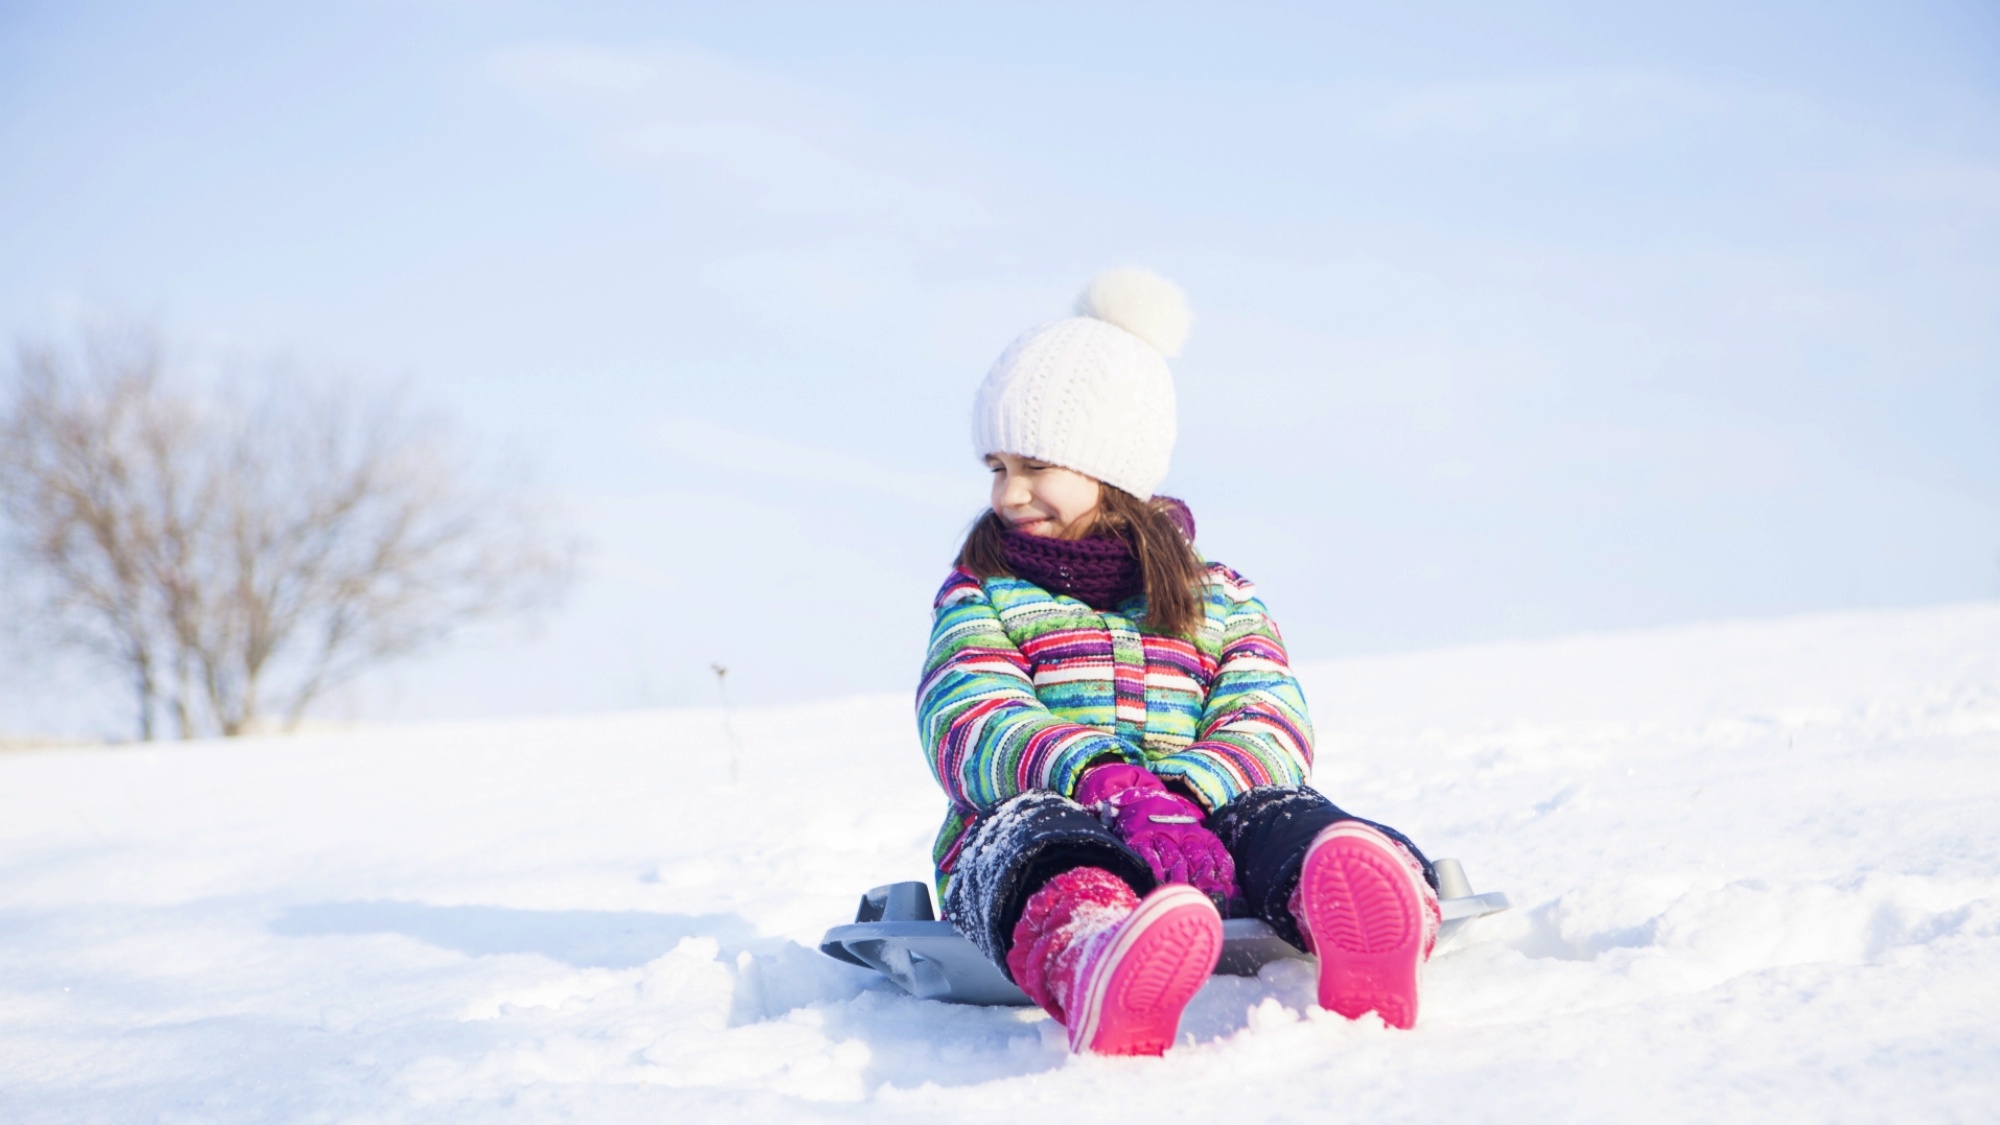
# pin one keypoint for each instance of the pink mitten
(1160, 825)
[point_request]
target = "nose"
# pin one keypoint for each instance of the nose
(1013, 490)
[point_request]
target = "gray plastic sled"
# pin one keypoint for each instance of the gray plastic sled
(896, 933)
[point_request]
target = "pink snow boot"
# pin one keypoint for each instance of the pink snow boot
(1365, 909)
(1114, 969)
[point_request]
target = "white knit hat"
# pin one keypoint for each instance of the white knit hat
(1092, 393)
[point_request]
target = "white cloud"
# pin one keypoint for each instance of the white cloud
(732, 450)
(712, 122)
(1971, 185)
(1606, 105)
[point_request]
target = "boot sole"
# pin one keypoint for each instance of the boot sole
(1161, 957)
(1365, 918)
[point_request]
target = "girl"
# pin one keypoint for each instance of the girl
(1114, 722)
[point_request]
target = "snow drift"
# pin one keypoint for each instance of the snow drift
(1756, 870)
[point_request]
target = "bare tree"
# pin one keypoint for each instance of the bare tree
(236, 555)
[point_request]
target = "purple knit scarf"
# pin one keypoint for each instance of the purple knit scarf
(1099, 571)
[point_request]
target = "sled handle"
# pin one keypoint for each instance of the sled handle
(1452, 882)
(897, 902)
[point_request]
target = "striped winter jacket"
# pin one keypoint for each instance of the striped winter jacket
(1024, 688)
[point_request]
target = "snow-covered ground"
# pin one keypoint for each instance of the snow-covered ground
(1756, 870)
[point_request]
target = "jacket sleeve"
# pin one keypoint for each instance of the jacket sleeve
(1254, 729)
(987, 735)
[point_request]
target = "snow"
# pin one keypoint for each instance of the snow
(1756, 870)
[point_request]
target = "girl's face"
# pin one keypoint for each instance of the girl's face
(1042, 499)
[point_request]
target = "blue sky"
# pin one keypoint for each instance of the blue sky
(1508, 323)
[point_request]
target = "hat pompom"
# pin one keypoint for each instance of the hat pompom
(1142, 303)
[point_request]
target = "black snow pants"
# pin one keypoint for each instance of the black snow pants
(1025, 841)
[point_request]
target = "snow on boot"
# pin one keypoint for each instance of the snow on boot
(1063, 914)
(1114, 969)
(1368, 914)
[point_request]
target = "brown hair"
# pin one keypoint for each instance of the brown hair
(1172, 572)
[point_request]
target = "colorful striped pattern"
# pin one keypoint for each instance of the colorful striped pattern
(1023, 688)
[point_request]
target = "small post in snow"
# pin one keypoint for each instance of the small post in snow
(728, 729)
